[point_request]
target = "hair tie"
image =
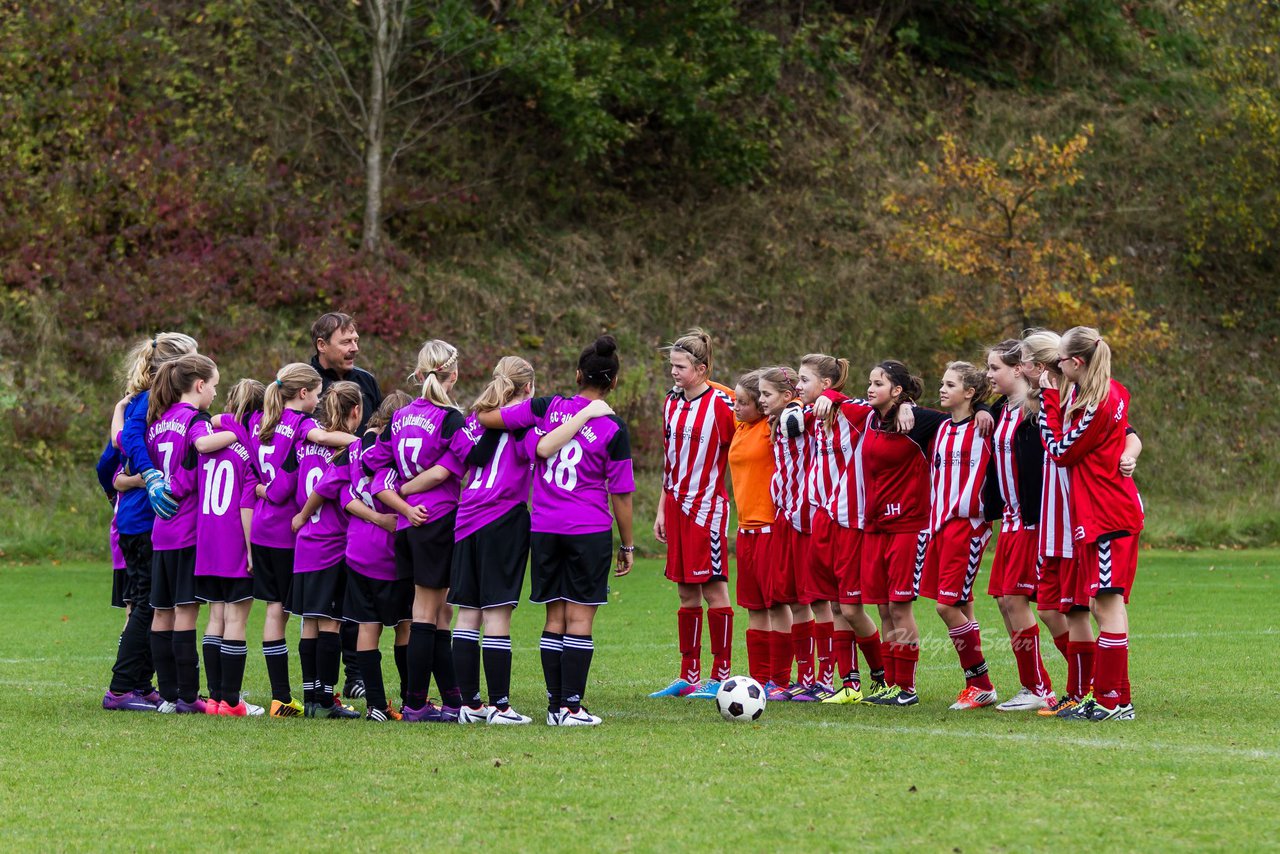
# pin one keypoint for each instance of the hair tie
(153, 343)
(279, 383)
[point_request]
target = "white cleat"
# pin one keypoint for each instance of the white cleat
(468, 715)
(254, 711)
(167, 708)
(973, 698)
(579, 718)
(1025, 701)
(510, 717)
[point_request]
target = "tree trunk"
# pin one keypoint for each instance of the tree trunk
(375, 128)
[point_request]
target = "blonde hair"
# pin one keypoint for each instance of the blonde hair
(1093, 388)
(393, 402)
(436, 361)
(1041, 346)
(339, 399)
(509, 376)
(696, 344)
(245, 397)
(288, 384)
(175, 378)
(972, 377)
(783, 379)
(149, 354)
(828, 368)
(1010, 353)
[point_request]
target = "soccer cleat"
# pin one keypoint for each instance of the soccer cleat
(803, 693)
(678, 688)
(1056, 705)
(579, 718)
(1025, 700)
(707, 691)
(291, 709)
(354, 689)
(468, 715)
(508, 717)
(309, 709)
(1082, 711)
(239, 710)
(152, 696)
(822, 693)
(885, 697)
(393, 714)
(252, 710)
(774, 694)
(1122, 712)
(429, 713)
(335, 712)
(877, 686)
(905, 698)
(211, 706)
(167, 707)
(844, 697)
(130, 701)
(198, 707)
(376, 715)
(450, 714)
(553, 718)
(973, 697)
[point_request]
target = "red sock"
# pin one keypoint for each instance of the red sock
(720, 625)
(823, 634)
(968, 643)
(871, 651)
(908, 655)
(780, 656)
(1111, 670)
(802, 643)
(758, 652)
(1061, 641)
(1031, 672)
(890, 662)
(690, 623)
(846, 654)
(1079, 668)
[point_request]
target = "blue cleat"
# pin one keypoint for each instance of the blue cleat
(678, 688)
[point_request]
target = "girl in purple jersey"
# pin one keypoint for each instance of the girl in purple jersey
(572, 541)
(183, 388)
(492, 538)
(224, 579)
(419, 441)
(318, 477)
(285, 419)
(374, 596)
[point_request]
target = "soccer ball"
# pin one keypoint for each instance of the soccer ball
(741, 699)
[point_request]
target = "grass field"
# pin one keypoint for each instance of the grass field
(1198, 768)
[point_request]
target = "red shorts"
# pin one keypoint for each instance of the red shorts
(753, 549)
(953, 559)
(1015, 571)
(848, 550)
(818, 579)
(1103, 566)
(781, 585)
(695, 554)
(1050, 593)
(891, 566)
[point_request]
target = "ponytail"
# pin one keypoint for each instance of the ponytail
(509, 376)
(437, 360)
(1093, 388)
(598, 364)
(175, 378)
(696, 344)
(288, 384)
(149, 354)
(836, 371)
(1040, 346)
(339, 399)
(911, 385)
(245, 398)
(972, 377)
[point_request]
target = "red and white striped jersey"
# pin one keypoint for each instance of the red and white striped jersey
(848, 502)
(695, 442)
(1006, 464)
(1055, 507)
(959, 468)
(831, 449)
(791, 450)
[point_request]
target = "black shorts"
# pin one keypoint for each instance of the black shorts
(488, 565)
(571, 568)
(272, 573)
(173, 578)
(373, 600)
(117, 588)
(319, 594)
(217, 588)
(425, 553)
(136, 549)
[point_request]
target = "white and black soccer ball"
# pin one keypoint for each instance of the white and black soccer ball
(740, 699)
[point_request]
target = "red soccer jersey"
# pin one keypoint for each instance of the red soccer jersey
(1055, 511)
(897, 481)
(832, 449)
(1089, 446)
(791, 462)
(696, 438)
(959, 468)
(1005, 455)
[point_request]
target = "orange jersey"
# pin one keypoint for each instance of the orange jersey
(751, 469)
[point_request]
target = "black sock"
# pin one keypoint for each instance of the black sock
(166, 667)
(132, 670)
(422, 649)
(443, 670)
(375, 693)
(307, 653)
(187, 659)
(276, 653)
(233, 657)
(350, 660)
(328, 665)
(402, 668)
(466, 661)
(552, 649)
(211, 648)
(576, 663)
(497, 669)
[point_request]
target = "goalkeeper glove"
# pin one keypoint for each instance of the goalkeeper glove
(162, 502)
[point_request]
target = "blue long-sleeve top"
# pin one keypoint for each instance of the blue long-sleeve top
(133, 441)
(134, 514)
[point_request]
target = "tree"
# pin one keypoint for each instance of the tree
(977, 220)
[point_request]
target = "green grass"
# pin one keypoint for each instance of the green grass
(1195, 770)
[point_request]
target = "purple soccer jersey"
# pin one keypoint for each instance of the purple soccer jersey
(171, 446)
(501, 483)
(370, 549)
(271, 520)
(571, 490)
(225, 485)
(117, 556)
(420, 436)
(322, 540)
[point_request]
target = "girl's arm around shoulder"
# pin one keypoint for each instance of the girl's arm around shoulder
(550, 444)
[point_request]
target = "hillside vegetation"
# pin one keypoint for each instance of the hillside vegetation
(551, 171)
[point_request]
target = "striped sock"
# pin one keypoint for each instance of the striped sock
(466, 662)
(576, 664)
(276, 653)
(551, 648)
(211, 650)
(497, 669)
(233, 655)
